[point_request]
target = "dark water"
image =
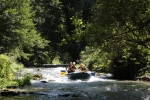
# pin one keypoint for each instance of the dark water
(96, 88)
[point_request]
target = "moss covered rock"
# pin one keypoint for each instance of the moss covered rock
(35, 77)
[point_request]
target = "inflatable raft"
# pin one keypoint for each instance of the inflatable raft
(78, 75)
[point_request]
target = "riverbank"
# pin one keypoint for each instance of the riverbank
(143, 78)
(16, 83)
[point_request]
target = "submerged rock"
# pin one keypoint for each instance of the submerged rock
(69, 95)
(9, 93)
(44, 81)
(16, 93)
(39, 69)
(35, 77)
(47, 80)
(12, 87)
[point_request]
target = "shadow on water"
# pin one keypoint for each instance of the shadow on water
(54, 86)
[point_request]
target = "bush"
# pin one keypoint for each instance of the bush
(129, 64)
(3, 83)
(95, 59)
(25, 80)
(9, 70)
(5, 70)
(15, 68)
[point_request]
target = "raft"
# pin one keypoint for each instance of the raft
(78, 75)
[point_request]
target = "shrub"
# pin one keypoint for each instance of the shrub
(129, 64)
(15, 68)
(5, 70)
(95, 59)
(25, 80)
(3, 82)
(8, 72)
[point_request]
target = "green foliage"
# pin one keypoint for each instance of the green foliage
(16, 67)
(17, 30)
(5, 70)
(48, 22)
(116, 25)
(78, 65)
(56, 60)
(65, 58)
(146, 74)
(74, 14)
(3, 82)
(95, 59)
(129, 64)
(16, 82)
(12, 83)
(114, 28)
(9, 70)
(25, 80)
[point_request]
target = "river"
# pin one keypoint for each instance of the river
(55, 86)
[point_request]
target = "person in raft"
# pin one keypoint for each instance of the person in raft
(83, 68)
(73, 68)
(70, 65)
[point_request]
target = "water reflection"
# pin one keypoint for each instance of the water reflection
(58, 87)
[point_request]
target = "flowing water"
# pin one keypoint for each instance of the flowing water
(55, 86)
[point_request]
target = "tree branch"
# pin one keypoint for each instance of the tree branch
(144, 24)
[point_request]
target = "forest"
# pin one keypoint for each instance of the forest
(110, 36)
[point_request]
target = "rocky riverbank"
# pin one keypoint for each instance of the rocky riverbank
(143, 78)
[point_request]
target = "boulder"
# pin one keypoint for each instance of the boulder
(144, 78)
(35, 77)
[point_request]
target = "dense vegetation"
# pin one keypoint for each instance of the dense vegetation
(9, 73)
(108, 36)
(119, 29)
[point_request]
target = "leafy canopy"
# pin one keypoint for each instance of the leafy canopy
(118, 24)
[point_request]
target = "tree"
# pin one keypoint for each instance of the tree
(76, 9)
(53, 21)
(129, 64)
(48, 20)
(17, 30)
(119, 24)
(114, 27)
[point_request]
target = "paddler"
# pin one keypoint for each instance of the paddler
(72, 68)
(70, 65)
(83, 68)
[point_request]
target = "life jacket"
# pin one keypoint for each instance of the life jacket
(73, 69)
(83, 69)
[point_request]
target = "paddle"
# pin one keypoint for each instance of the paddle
(92, 74)
(63, 72)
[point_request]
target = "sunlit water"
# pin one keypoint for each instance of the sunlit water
(59, 87)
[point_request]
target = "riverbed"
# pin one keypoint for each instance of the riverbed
(55, 86)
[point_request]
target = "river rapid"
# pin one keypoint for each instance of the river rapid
(55, 86)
